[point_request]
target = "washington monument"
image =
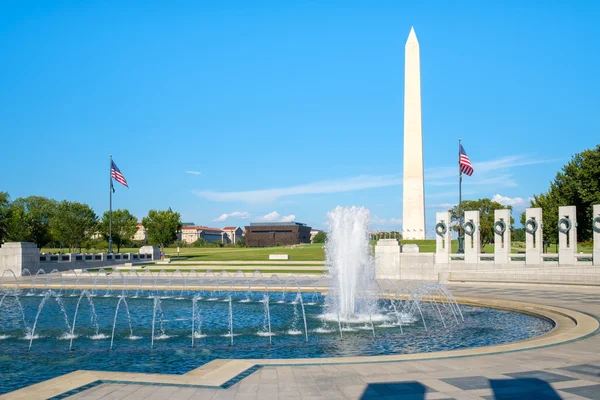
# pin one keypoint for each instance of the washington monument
(413, 202)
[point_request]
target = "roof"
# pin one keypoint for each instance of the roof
(199, 228)
(277, 224)
(230, 228)
(139, 224)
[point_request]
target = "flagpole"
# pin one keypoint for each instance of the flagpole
(110, 208)
(461, 249)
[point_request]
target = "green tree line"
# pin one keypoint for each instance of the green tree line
(576, 184)
(50, 223)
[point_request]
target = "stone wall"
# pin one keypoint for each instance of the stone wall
(391, 263)
(534, 266)
(21, 256)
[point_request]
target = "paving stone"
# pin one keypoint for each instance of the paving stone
(590, 392)
(544, 376)
(585, 369)
(469, 382)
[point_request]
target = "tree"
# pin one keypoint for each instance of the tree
(319, 237)
(31, 219)
(241, 242)
(577, 184)
(18, 225)
(73, 223)
(518, 235)
(199, 243)
(124, 226)
(486, 209)
(4, 215)
(162, 227)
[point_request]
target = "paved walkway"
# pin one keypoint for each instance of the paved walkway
(570, 371)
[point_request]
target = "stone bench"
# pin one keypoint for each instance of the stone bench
(279, 257)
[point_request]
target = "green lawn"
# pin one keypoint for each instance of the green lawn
(307, 252)
(287, 270)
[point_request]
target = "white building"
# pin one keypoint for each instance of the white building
(141, 234)
(234, 233)
(189, 234)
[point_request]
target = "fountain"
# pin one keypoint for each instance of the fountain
(350, 264)
(94, 316)
(346, 312)
(122, 299)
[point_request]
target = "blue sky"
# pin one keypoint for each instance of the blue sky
(230, 113)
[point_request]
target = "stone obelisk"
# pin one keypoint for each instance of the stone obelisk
(413, 202)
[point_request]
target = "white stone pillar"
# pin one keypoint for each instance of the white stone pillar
(154, 251)
(596, 234)
(567, 239)
(502, 243)
(442, 237)
(534, 245)
(472, 241)
(18, 256)
(387, 259)
(413, 194)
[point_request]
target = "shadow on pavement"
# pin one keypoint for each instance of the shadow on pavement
(503, 389)
(414, 390)
(523, 388)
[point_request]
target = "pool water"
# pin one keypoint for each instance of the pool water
(171, 350)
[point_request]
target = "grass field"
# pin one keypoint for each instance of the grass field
(286, 270)
(307, 252)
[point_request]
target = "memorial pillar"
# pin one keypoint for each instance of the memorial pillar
(18, 256)
(472, 241)
(567, 235)
(502, 240)
(442, 237)
(534, 245)
(596, 233)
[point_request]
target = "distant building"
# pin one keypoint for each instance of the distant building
(261, 234)
(141, 234)
(191, 233)
(234, 233)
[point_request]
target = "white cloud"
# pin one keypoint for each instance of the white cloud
(518, 203)
(193, 172)
(485, 172)
(386, 221)
(504, 180)
(235, 214)
(332, 186)
(441, 206)
(507, 162)
(485, 175)
(274, 216)
(288, 218)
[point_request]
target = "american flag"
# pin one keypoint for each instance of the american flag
(116, 174)
(464, 163)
